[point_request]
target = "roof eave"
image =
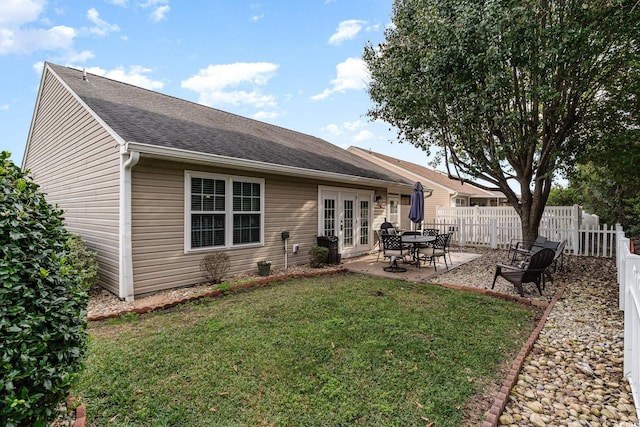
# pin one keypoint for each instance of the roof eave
(154, 151)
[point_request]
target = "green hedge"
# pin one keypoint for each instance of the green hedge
(43, 304)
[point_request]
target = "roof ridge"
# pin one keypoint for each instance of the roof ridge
(197, 104)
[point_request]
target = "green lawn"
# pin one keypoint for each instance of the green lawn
(336, 350)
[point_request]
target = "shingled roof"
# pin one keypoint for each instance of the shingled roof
(434, 176)
(143, 116)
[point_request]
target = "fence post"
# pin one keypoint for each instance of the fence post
(575, 230)
(493, 233)
(621, 255)
(462, 232)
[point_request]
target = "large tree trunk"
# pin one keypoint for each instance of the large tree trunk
(531, 208)
(530, 227)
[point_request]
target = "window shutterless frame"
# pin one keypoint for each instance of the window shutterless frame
(222, 211)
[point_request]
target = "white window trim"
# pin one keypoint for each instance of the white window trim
(229, 212)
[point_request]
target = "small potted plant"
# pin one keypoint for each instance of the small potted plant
(264, 268)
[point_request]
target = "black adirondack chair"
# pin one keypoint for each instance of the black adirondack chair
(533, 271)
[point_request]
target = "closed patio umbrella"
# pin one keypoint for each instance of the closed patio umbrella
(416, 212)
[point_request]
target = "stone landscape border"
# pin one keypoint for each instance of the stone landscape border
(500, 402)
(501, 399)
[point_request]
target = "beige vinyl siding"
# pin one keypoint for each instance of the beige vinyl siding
(439, 197)
(159, 261)
(76, 163)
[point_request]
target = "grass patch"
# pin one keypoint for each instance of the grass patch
(334, 350)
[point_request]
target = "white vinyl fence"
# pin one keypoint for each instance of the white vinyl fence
(497, 227)
(629, 280)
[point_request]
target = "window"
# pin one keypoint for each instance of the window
(246, 212)
(222, 211)
(460, 202)
(207, 212)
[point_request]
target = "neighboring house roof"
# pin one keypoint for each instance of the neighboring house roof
(141, 116)
(434, 176)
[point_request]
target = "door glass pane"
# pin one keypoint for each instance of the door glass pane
(329, 226)
(364, 222)
(347, 230)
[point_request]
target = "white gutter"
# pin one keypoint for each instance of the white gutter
(253, 165)
(125, 264)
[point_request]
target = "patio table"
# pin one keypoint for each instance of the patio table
(416, 240)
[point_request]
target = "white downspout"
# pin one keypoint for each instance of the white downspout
(127, 162)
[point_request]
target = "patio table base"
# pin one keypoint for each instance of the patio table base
(395, 268)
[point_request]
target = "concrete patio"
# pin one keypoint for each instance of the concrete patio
(370, 264)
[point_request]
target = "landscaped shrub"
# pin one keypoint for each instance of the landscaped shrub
(43, 304)
(82, 260)
(318, 255)
(214, 266)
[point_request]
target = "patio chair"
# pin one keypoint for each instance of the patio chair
(392, 247)
(520, 250)
(438, 250)
(430, 232)
(559, 256)
(531, 271)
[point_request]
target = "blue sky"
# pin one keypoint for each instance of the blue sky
(295, 64)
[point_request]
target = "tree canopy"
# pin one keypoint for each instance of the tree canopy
(505, 90)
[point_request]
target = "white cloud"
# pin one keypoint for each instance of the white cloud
(122, 3)
(333, 129)
(265, 115)
(14, 13)
(352, 131)
(352, 74)
(102, 27)
(25, 41)
(159, 9)
(159, 13)
(257, 16)
(353, 126)
(233, 84)
(72, 56)
(364, 135)
(346, 31)
(4, 107)
(136, 75)
(15, 38)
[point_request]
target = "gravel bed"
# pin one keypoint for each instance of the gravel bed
(573, 375)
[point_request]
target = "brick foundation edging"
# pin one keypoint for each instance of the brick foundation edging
(80, 412)
(214, 293)
(500, 402)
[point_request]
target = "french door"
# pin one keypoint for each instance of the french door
(346, 214)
